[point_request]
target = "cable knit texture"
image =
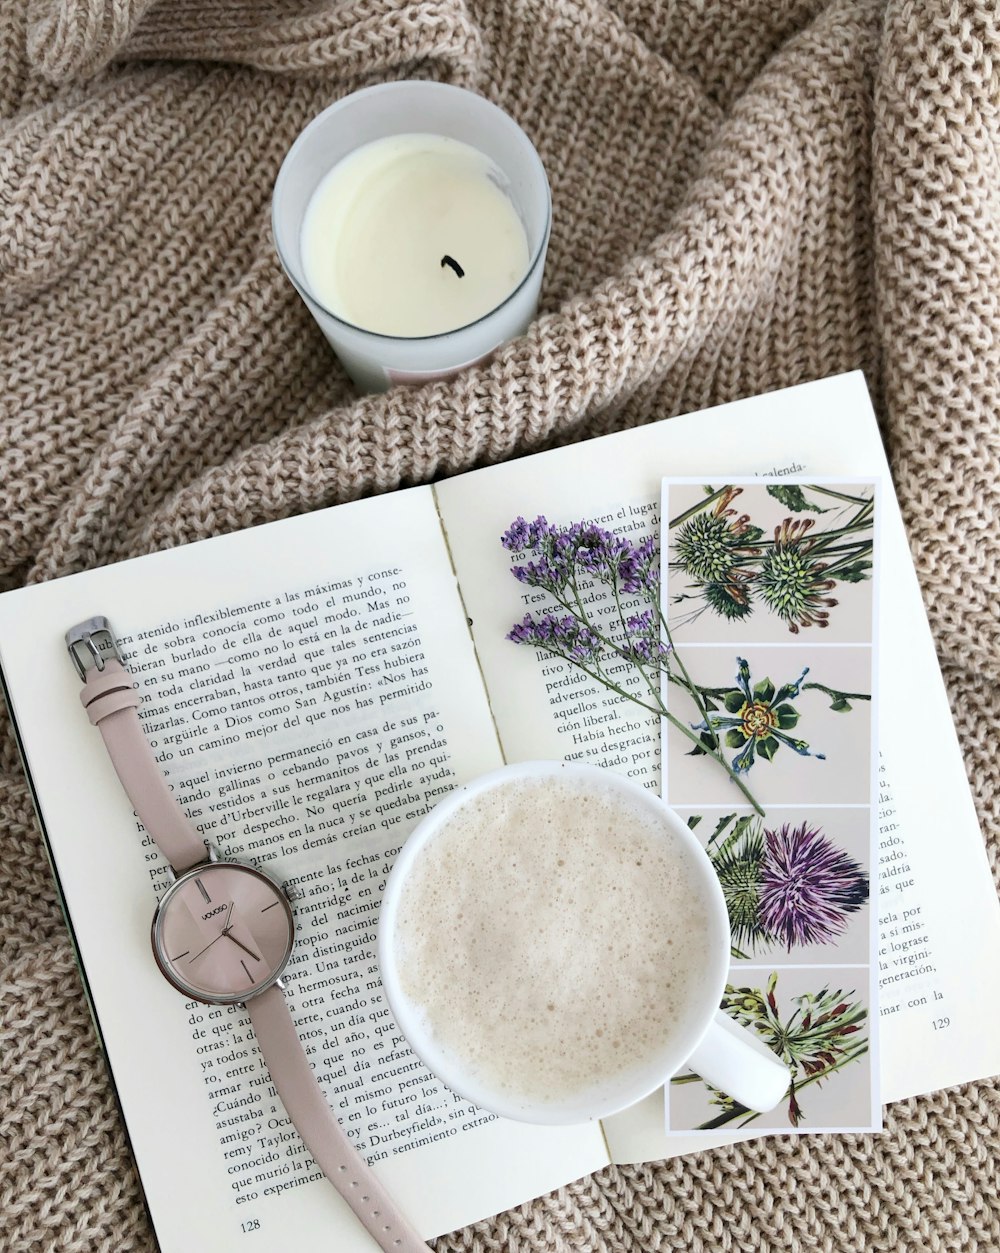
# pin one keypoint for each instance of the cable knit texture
(747, 194)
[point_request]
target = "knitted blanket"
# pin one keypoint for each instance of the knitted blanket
(747, 194)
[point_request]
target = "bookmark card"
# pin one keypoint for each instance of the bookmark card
(768, 593)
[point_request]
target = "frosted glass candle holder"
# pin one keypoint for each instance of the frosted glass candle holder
(374, 360)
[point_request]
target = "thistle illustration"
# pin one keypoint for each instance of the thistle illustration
(808, 887)
(819, 1038)
(791, 581)
(710, 547)
(733, 568)
(737, 862)
(790, 885)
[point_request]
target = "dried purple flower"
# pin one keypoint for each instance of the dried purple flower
(565, 636)
(596, 578)
(643, 643)
(560, 552)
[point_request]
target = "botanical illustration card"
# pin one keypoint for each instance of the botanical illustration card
(768, 604)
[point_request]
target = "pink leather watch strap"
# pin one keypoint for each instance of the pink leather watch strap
(317, 1124)
(111, 702)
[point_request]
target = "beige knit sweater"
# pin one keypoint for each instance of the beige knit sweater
(747, 194)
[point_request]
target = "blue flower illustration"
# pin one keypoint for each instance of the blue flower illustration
(757, 719)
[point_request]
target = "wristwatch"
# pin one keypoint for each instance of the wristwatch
(222, 932)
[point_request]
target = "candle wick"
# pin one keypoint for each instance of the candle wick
(446, 260)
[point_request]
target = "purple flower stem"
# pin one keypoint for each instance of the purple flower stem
(686, 681)
(578, 610)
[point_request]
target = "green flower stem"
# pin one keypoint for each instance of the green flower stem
(580, 612)
(828, 491)
(717, 692)
(702, 504)
(819, 541)
(830, 691)
(686, 682)
(661, 711)
(823, 544)
(823, 539)
(865, 510)
(599, 675)
(739, 1111)
(618, 607)
(692, 688)
(842, 552)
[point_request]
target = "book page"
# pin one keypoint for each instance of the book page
(310, 690)
(940, 1012)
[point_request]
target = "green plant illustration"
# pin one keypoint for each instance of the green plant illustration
(756, 718)
(734, 568)
(822, 1035)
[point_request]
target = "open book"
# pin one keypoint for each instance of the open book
(312, 687)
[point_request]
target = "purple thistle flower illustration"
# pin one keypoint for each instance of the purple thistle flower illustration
(808, 886)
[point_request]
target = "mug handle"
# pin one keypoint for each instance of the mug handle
(735, 1061)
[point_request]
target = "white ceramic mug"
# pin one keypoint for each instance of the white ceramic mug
(724, 1054)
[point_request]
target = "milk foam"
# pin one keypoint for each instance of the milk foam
(551, 937)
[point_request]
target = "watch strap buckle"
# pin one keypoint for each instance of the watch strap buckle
(89, 643)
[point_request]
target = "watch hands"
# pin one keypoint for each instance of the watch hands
(224, 931)
(206, 948)
(242, 946)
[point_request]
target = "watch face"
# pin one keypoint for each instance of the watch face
(223, 932)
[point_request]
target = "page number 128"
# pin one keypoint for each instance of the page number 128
(251, 1224)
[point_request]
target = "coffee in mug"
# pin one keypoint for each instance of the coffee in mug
(554, 943)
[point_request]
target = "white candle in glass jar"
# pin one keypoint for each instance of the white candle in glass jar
(413, 235)
(446, 226)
